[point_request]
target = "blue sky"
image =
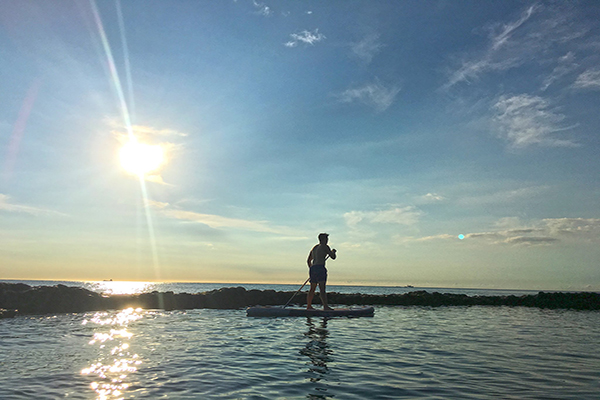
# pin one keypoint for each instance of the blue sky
(393, 126)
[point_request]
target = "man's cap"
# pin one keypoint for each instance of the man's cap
(323, 235)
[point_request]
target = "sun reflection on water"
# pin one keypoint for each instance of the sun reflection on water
(120, 287)
(112, 368)
(122, 318)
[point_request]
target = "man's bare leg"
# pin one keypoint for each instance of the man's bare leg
(310, 296)
(323, 294)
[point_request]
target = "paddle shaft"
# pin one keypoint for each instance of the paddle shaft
(297, 291)
(294, 295)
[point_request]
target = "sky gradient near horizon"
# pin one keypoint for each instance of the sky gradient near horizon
(395, 126)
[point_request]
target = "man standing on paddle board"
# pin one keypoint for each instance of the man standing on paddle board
(318, 272)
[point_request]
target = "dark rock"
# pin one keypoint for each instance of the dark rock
(49, 299)
(227, 298)
(7, 313)
(14, 287)
(65, 299)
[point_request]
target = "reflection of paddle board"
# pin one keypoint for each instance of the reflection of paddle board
(303, 312)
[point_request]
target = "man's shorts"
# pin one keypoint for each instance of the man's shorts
(318, 273)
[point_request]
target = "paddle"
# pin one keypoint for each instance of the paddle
(294, 295)
(305, 282)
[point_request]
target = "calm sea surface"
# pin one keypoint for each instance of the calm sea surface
(120, 287)
(402, 352)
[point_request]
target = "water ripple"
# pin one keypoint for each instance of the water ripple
(115, 361)
(402, 352)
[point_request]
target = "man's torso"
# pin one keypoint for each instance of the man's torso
(319, 254)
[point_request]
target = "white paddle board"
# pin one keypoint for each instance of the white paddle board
(303, 312)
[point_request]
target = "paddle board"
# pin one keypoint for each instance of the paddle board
(303, 312)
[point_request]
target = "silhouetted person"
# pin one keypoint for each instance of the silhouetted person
(318, 272)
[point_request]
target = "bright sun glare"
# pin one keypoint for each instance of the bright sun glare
(140, 158)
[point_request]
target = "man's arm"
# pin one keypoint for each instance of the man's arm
(331, 252)
(310, 257)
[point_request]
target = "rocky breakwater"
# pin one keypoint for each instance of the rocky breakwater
(553, 300)
(18, 299)
(22, 299)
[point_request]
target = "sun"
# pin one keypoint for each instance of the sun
(140, 158)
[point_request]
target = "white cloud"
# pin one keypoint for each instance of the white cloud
(156, 178)
(506, 31)
(543, 232)
(7, 205)
(526, 120)
(430, 198)
(536, 36)
(566, 65)
(211, 220)
(573, 226)
(367, 48)
(262, 9)
(471, 70)
(408, 215)
(490, 60)
(305, 37)
(530, 240)
(444, 236)
(508, 237)
(150, 131)
(146, 134)
(589, 79)
(373, 94)
(503, 196)
(508, 223)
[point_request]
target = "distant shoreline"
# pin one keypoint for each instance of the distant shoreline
(22, 299)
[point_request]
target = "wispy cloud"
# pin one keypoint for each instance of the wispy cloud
(589, 79)
(526, 120)
(503, 196)
(544, 232)
(536, 35)
(442, 236)
(144, 133)
(374, 95)
(262, 9)
(407, 215)
(499, 237)
(306, 37)
(566, 65)
(506, 31)
(573, 226)
(367, 48)
(530, 240)
(7, 205)
(490, 60)
(150, 131)
(211, 220)
(156, 178)
(471, 70)
(430, 198)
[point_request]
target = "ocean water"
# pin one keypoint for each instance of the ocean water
(124, 287)
(401, 352)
